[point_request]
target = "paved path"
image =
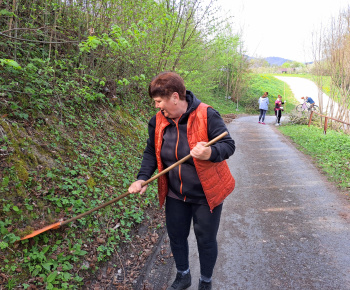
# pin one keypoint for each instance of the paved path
(302, 87)
(284, 226)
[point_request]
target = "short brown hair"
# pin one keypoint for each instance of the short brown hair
(166, 83)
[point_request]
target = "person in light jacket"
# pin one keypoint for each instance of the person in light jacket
(195, 190)
(263, 107)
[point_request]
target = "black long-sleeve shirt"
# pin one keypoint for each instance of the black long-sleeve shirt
(183, 180)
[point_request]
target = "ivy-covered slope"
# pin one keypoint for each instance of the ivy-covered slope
(73, 123)
(68, 143)
(56, 165)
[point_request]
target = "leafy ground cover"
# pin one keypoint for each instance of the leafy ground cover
(64, 149)
(58, 166)
(73, 125)
(331, 151)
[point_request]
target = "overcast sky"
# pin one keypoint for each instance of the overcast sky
(281, 28)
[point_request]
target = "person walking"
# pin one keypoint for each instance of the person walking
(263, 107)
(278, 109)
(195, 190)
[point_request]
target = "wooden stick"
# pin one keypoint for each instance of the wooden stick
(58, 224)
(143, 184)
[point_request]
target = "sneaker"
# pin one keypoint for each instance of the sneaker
(181, 281)
(277, 124)
(263, 123)
(259, 122)
(204, 285)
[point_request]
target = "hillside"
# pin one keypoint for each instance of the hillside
(272, 61)
(276, 61)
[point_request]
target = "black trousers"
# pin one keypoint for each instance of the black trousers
(179, 215)
(278, 114)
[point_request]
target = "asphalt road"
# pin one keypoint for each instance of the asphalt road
(284, 226)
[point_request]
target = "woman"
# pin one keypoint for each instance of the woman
(278, 109)
(263, 107)
(195, 189)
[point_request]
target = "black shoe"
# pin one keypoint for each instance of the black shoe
(181, 281)
(204, 285)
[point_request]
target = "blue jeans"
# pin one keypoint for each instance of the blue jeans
(262, 115)
(179, 215)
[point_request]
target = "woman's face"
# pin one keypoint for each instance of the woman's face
(168, 106)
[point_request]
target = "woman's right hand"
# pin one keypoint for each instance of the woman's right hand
(137, 187)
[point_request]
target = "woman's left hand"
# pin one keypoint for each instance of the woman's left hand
(200, 151)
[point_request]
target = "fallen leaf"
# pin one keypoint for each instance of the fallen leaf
(100, 240)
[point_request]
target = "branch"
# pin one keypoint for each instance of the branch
(30, 94)
(38, 41)
(19, 28)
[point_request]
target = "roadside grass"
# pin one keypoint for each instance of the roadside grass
(330, 151)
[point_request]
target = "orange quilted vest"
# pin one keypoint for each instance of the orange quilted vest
(216, 178)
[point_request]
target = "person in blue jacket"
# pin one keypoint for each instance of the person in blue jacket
(263, 107)
(310, 101)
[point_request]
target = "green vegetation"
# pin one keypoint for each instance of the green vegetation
(73, 122)
(332, 52)
(331, 151)
(67, 165)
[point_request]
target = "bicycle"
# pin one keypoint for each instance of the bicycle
(307, 107)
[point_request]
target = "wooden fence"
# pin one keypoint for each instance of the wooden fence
(325, 120)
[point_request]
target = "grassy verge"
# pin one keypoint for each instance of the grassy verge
(331, 151)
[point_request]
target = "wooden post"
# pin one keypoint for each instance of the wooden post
(312, 112)
(325, 125)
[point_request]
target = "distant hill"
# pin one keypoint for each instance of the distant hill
(272, 61)
(276, 61)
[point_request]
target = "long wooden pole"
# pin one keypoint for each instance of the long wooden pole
(62, 223)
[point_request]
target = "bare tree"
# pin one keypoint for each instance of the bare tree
(332, 58)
